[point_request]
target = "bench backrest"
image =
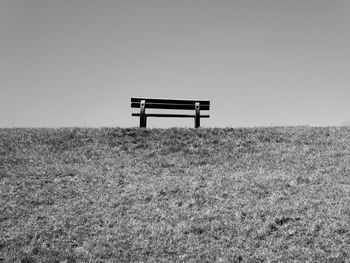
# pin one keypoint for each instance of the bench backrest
(170, 104)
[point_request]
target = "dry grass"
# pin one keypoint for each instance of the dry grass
(175, 195)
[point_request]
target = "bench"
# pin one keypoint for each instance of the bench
(169, 104)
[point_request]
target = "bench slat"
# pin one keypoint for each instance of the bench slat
(171, 101)
(151, 105)
(170, 115)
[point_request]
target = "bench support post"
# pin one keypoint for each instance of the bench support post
(197, 116)
(143, 117)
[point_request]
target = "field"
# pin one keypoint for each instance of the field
(277, 194)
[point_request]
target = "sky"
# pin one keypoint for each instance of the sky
(77, 63)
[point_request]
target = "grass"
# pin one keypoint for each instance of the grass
(278, 194)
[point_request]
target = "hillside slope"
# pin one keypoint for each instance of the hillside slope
(175, 195)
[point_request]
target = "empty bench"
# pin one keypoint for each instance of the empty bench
(170, 104)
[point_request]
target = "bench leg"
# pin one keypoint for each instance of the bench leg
(197, 119)
(143, 118)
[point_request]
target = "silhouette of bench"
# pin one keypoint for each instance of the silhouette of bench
(169, 104)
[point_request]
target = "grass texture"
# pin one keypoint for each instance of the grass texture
(278, 194)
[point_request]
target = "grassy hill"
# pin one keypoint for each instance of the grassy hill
(175, 195)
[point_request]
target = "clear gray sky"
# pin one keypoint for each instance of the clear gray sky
(259, 62)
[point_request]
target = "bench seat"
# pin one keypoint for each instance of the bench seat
(170, 104)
